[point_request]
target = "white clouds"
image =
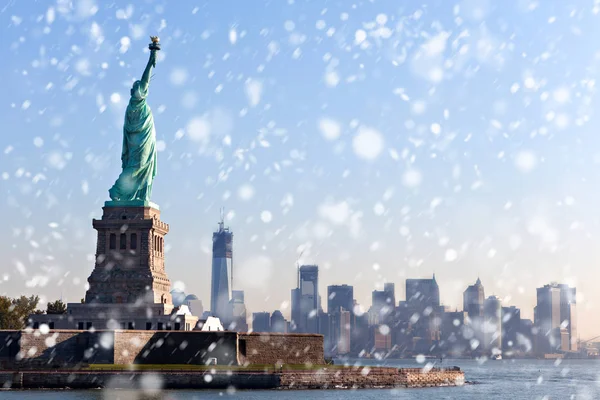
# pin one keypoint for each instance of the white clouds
(330, 128)
(367, 143)
(254, 89)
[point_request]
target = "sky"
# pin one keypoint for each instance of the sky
(381, 140)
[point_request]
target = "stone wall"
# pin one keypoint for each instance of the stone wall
(175, 347)
(280, 348)
(325, 378)
(70, 347)
(370, 377)
(61, 347)
(417, 377)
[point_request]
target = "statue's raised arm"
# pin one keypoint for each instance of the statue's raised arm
(139, 142)
(154, 47)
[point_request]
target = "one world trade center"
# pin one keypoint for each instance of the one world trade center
(221, 273)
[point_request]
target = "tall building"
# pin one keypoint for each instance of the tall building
(383, 303)
(555, 317)
(261, 322)
(511, 326)
(220, 294)
(307, 300)
(422, 293)
(278, 322)
(339, 331)
(239, 321)
(492, 324)
(568, 315)
(473, 298)
(340, 296)
(295, 305)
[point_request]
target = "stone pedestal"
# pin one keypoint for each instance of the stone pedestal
(128, 288)
(130, 262)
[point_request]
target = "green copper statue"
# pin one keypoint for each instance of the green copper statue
(139, 142)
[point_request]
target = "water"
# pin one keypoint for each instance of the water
(507, 379)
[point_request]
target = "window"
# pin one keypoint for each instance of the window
(51, 325)
(36, 325)
(119, 300)
(148, 326)
(80, 326)
(177, 326)
(123, 325)
(161, 244)
(160, 326)
(168, 326)
(131, 325)
(123, 241)
(133, 239)
(88, 326)
(113, 241)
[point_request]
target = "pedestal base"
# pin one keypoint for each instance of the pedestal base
(131, 203)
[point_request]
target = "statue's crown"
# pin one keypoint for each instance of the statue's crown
(155, 39)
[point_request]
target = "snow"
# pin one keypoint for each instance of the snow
(198, 129)
(330, 128)
(367, 143)
(254, 89)
(178, 76)
(526, 161)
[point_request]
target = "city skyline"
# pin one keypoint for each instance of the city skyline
(382, 143)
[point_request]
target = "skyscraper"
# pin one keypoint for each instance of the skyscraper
(555, 316)
(511, 326)
(340, 296)
(278, 322)
(422, 293)
(261, 322)
(306, 300)
(339, 331)
(221, 273)
(492, 324)
(239, 322)
(473, 298)
(383, 303)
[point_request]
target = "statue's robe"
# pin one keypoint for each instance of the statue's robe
(139, 150)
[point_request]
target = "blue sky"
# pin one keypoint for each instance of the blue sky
(387, 139)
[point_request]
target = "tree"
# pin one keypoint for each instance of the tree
(15, 312)
(58, 307)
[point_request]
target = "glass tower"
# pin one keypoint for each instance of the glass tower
(220, 289)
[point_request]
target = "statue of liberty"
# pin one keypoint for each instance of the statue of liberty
(139, 142)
